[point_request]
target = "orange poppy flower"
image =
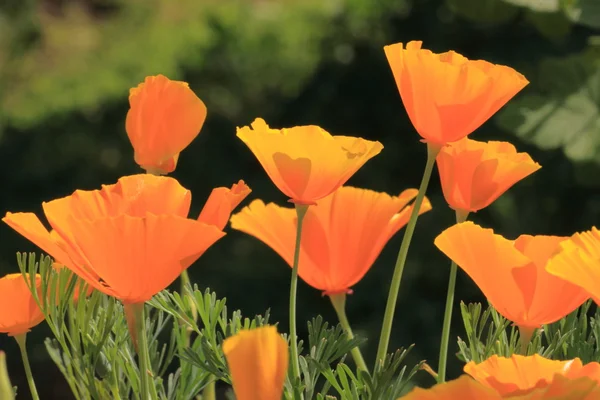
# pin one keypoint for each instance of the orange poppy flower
(563, 388)
(221, 203)
(446, 95)
(578, 262)
(163, 119)
(305, 162)
(474, 174)
(129, 240)
(258, 363)
(342, 235)
(464, 388)
(20, 311)
(511, 273)
(520, 374)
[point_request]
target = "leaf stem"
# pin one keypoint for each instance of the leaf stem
(21, 341)
(339, 304)
(461, 216)
(386, 330)
(301, 210)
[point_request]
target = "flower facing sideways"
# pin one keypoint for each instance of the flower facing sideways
(511, 273)
(164, 118)
(474, 174)
(258, 363)
(342, 235)
(305, 162)
(129, 240)
(19, 311)
(446, 95)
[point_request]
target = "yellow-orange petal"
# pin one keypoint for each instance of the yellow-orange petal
(563, 388)
(221, 203)
(134, 257)
(20, 311)
(305, 162)
(463, 388)
(258, 362)
(448, 96)
(163, 119)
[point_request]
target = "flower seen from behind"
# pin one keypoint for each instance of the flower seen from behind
(448, 96)
(258, 362)
(19, 311)
(474, 174)
(164, 117)
(306, 163)
(512, 273)
(342, 235)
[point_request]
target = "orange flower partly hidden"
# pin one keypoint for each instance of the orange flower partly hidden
(463, 388)
(446, 95)
(474, 174)
(341, 236)
(520, 375)
(578, 262)
(305, 162)
(129, 240)
(258, 362)
(221, 203)
(19, 311)
(511, 273)
(563, 388)
(163, 119)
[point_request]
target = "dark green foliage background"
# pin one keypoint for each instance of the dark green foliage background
(66, 67)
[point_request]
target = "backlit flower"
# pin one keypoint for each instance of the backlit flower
(258, 362)
(221, 203)
(578, 262)
(512, 274)
(474, 174)
(305, 162)
(19, 311)
(446, 95)
(163, 119)
(129, 240)
(342, 235)
(463, 388)
(519, 374)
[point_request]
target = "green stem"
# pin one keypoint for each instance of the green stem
(21, 340)
(390, 308)
(147, 388)
(301, 210)
(461, 216)
(339, 304)
(525, 335)
(209, 392)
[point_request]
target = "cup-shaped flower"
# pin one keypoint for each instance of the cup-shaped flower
(221, 203)
(163, 119)
(464, 388)
(474, 174)
(305, 162)
(512, 274)
(521, 374)
(19, 311)
(341, 237)
(446, 95)
(129, 240)
(258, 363)
(578, 262)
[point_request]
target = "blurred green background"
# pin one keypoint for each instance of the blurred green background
(66, 67)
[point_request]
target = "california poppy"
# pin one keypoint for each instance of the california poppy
(474, 174)
(129, 240)
(258, 362)
(578, 262)
(20, 311)
(511, 273)
(305, 162)
(164, 117)
(221, 203)
(519, 374)
(342, 235)
(446, 95)
(464, 388)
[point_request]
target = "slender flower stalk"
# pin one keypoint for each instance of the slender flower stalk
(386, 330)
(525, 335)
(147, 388)
(461, 216)
(209, 392)
(301, 210)
(21, 340)
(338, 301)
